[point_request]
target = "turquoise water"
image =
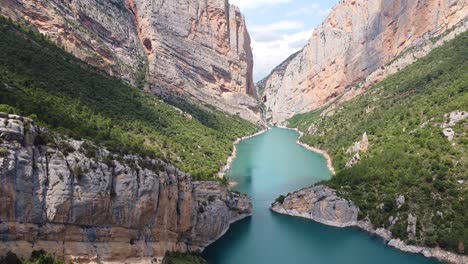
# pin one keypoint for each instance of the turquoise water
(272, 164)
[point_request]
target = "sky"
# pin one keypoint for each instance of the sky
(279, 28)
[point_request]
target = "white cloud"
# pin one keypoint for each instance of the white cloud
(278, 26)
(269, 54)
(249, 4)
(310, 9)
(279, 32)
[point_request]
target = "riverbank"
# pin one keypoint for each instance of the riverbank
(437, 253)
(225, 168)
(314, 149)
(321, 204)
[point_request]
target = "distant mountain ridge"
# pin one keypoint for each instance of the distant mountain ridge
(357, 39)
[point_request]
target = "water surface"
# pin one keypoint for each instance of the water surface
(272, 164)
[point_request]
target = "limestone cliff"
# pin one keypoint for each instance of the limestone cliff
(322, 204)
(85, 204)
(359, 38)
(191, 48)
(100, 32)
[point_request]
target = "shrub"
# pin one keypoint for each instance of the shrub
(3, 152)
(280, 199)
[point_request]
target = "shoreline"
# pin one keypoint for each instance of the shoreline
(437, 253)
(386, 236)
(232, 157)
(314, 149)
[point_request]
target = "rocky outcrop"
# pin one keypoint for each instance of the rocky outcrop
(451, 120)
(449, 133)
(354, 160)
(195, 49)
(361, 146)
(320, 204)
(323, 205)
(359, 44)
(85, 204)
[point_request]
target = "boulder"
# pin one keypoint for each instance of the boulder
(449, 134)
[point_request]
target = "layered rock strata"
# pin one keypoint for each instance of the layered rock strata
(323, 205)
(353, 47)
(195, 49)
(85, 204)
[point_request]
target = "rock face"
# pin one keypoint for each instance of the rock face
(360, 146)
(85, 204)
(198, 48)
(358, 44)
(320, 204)
(191, 48)
(100, 32)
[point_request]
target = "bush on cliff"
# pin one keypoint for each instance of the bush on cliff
(280, 199)
(183, 258)
(37, 257)
(408, 154)
(71, 97)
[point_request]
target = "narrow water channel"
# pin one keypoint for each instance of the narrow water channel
(272, 164)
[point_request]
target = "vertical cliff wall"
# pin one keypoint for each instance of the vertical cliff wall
(358, 38)
(87, 205)
(191, 48)
(198, 48)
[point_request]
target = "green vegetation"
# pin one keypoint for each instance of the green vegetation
(40, 80)
(280, 199)
(182, 258)
(408, 154)
(37, 257)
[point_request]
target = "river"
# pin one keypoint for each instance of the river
(272, 164)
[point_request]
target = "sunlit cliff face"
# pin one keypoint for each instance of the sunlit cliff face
(357, 38)
(196, 49)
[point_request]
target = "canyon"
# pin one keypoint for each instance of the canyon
(198, 50)
(357, 46)
(85, 204)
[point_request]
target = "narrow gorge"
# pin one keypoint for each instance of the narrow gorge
(359, 44)
(199, 50)
(132, 131)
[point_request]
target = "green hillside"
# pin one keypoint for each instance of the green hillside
(408, 154)
(41, 80)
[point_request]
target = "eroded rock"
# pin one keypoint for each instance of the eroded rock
(454, 117)
(354, 160)
(358, 45)
(103, 208)
(449, 133)
(320, 204)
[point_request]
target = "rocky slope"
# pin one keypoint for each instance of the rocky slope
(197, 49)
(85, 204)
(321, 204)
(360, 38)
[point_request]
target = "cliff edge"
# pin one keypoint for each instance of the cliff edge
(85, 204)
